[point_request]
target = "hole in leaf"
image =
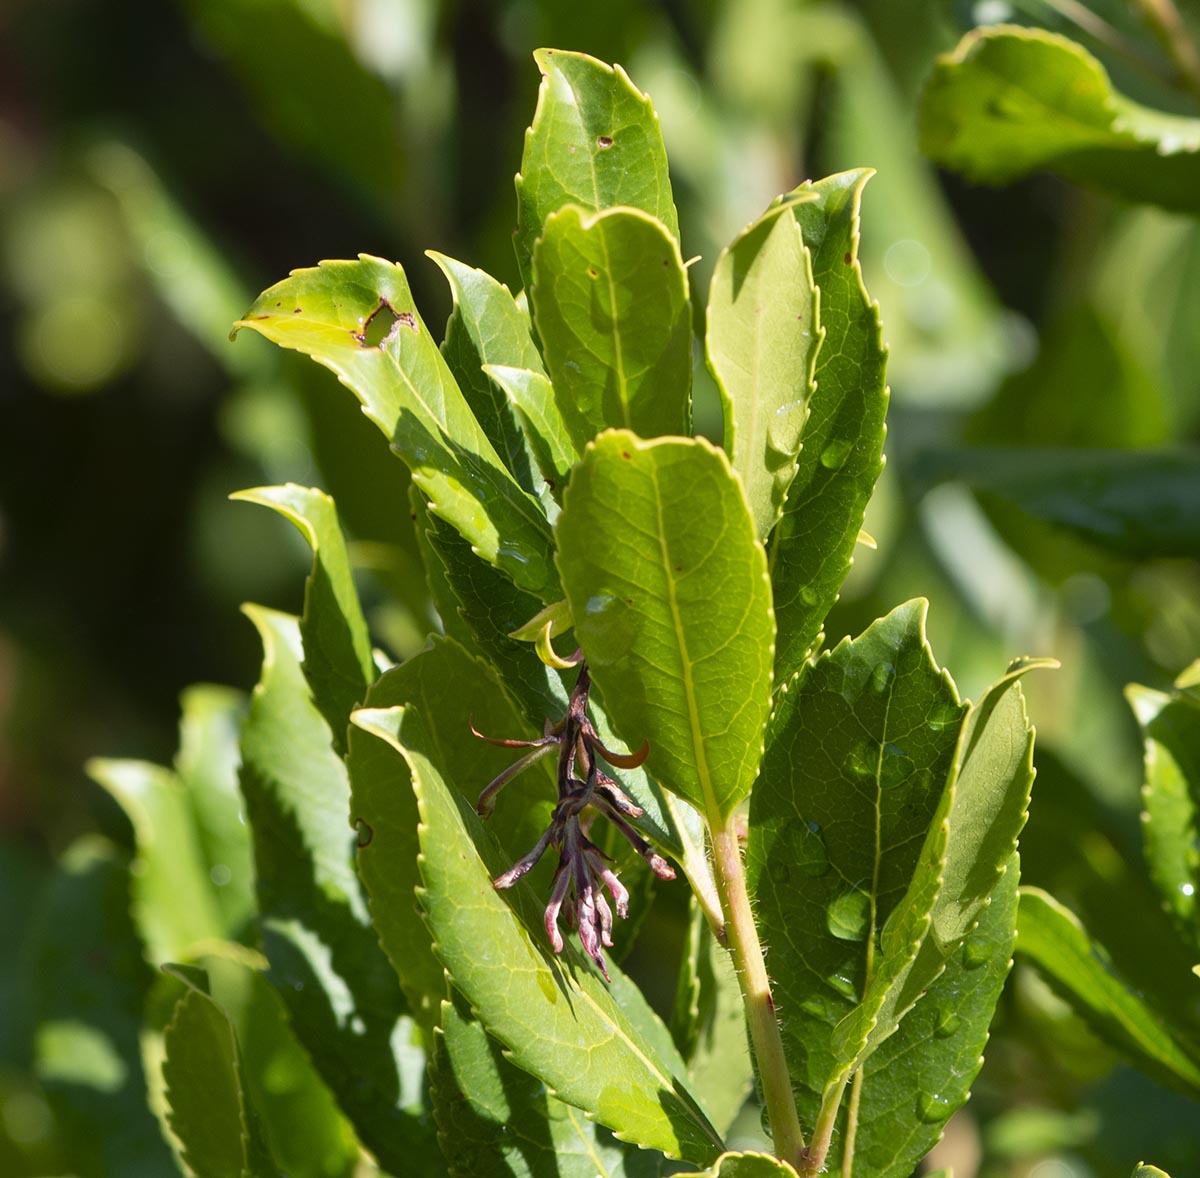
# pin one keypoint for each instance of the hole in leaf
(381, 325)
(604, 141)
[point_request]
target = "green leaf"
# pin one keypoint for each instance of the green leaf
(487, 327)
(812, 547)
(494, 1118)
(333, 313)
(338, 662)
(455, 690)
(858, 751)
(173, 902)
(595, 141)
(209, 1108)
(341, 994)
(1144, 1171)
(553, 1015)
(1052, 937)
(1136, 503)
(761, 341)
(971, 839)
(672, 609)
(1170, 725)
(88, 985)
(300, 1122)
(532, 397)
(923, 1073)
(207, 765)
(1010, 101)
(610, 301)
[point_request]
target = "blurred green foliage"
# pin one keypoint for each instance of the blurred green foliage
(162, 163)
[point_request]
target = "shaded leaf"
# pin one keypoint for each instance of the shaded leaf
(1052, 937)
(858, 750)
(1009, 101)
(595, 142)
(761, 341)
(1136, 503)
(494, 1118)
(89, 983)
(1170, 725)
(333, 313)
(338, 662)
(672, 609)
(208, 1106)
(610, 301)
(745, 1165)
(487, 327)
(341, 994)
(553, 1015)
(812, 547)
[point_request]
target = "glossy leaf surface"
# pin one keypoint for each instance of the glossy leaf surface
(761, 340)
(610, 301)
(672, 609)
(595, 142)
(859, 749)
(334, 313)
(338, 662)
(554, 1015)
(812, 548)
(1052, 937)
(531, 396)
(1011, 101)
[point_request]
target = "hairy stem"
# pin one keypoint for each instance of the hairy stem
(767, 1043)
(818, 1151)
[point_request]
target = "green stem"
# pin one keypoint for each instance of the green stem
(818, 1151)
(765, 1037)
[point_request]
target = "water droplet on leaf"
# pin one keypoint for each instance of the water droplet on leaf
(808, 852)
(848, 915)
(932, 1108)
(949, 1022)
(835, 454)
(943, 716)
(862, 760)
(883, 677)
(975, 952)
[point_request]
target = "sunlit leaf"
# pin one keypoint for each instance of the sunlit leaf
(338, 662)
(761, 340)
(554, 1015)
(595, 142)
(812, 548)
(1009, 101)
(532, 397)
(672, 609)
(359, 320)
(610, 301)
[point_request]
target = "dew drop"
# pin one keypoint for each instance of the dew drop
(808, 595)
(932, 1108)
(848, 915)
(975, 952)
(943, 716)
(895, 769)
(843, 985)
(818, 1007)
(862, 760)
(835, 454)
(808, 852)
(365, 833)
(784, 426)
(883, 677)
(948, 1022)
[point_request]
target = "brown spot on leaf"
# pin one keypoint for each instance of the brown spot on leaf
(604, 142)
(593, 272)
(624, 453)
(848, 259)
